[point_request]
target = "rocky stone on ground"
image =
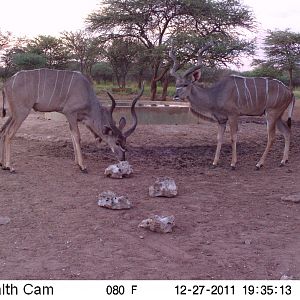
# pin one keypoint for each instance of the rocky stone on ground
(292, 198)
(110, 200)
(163, 187)
(161, 224)
(4, 220)
(119, 170)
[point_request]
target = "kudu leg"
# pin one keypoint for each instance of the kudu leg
(9, 133)
(221, 130)
(2, 135)
(271, 128)
(98, 140)
(286, 132)
(233, 124)
(75, 135)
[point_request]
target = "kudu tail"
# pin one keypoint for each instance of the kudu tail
(290, 111)
(3, 110)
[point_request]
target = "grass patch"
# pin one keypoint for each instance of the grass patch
(99, 88)
(297, 93)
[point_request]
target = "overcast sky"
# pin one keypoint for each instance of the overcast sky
(39, 17)
(273, 14)
(34, 17)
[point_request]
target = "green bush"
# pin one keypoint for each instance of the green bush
(28, 61)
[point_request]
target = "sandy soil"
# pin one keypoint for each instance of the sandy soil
(229, 224)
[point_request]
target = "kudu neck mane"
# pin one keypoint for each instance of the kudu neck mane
(205, 95)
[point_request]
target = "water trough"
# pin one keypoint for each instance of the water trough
(149, 112)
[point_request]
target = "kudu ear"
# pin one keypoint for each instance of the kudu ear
(196, 75)
(106, 130)
(122, 123)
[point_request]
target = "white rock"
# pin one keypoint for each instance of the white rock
(292, 198)
(163, 187)
(161, 224)
(110, 200)
(119, 170)
(4, 220)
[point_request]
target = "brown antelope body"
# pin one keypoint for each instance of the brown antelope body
(69, 93)
(235, 96)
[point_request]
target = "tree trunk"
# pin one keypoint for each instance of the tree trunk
(154, 82)
(165, 87)
(118, 79)
(153, 89)
(123, 81)
(140, 79)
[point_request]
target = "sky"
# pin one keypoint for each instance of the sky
(274, 14)
(31, 18)
(271, 15)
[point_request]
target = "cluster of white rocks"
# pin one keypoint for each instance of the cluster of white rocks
(111, 200)
(162, 187)
(119, 170)
(161, 224)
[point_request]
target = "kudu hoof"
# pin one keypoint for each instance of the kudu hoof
(258, 167)
(233, 168)
(83, 170)
(11, 170)
(283, 163)
(214, 166)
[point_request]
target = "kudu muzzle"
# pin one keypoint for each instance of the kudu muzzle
(176, 96)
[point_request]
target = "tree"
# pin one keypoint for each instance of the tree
(52, 49)
(13, 47)
(282, 49)
(102, 71)
(29, 61)
(153, 23)
(4, 39)
(263, 68)
(84, 49)
(122, 55)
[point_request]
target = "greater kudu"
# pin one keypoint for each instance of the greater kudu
(66, 92)
(235, 96)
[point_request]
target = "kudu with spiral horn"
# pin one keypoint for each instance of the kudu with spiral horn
(66, 92)
(235, 96)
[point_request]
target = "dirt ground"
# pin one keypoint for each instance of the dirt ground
(229, 224)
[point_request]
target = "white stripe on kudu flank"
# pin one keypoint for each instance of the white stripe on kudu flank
(13, 83)
(247, 89)
(44, 83)
(69, 88)
(62, 85)
(38, 88)
(256, 96)
(54, 88)
(26, 86)
(267, 90)
(237, 89)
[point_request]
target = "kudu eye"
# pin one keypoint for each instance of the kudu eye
(106, 130)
